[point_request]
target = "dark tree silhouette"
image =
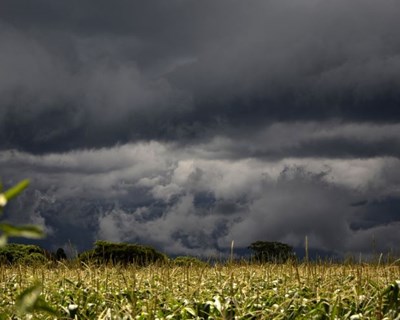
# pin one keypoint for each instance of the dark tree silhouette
(122, 253)
(264, 251)
(60, 254)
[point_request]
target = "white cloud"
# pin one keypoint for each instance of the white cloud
(157, 193)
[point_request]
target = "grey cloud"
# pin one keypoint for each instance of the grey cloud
(381, 211)
(325, 139)
(49, 104)
(95, 74)
(377, 239)
(302, 61)
(189, 124)
(158, 194)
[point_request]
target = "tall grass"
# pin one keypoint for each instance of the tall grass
(233, 291)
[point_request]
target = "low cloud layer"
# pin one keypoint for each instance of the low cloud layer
(157, 194)
(191, 124)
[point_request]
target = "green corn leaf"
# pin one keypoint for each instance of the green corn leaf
(3, 200)
(3, 240)
(26, 231)
(42, 305)
(217, 304)
(30, 301)
(27, 300)
(191, 311)
(16, 190)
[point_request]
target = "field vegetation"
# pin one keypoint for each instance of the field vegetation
(75, 290)
(125, 281)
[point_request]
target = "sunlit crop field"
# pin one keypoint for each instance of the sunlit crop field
(282, 291)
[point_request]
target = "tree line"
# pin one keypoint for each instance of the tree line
(105, 252)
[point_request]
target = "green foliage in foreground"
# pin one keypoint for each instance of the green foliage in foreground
(268, 291)
(7, 230)
(122, 253)
(28, 300)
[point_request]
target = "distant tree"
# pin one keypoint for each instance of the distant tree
(60, 254)
(265, 251)
(13, 253)
(122, 253)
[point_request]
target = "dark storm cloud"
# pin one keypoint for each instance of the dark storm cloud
(303, 61)
(160, 195)
(189, 124)
(323, 139)
(92, 74)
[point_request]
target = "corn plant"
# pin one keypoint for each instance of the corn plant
(9, 230)
(30, 299)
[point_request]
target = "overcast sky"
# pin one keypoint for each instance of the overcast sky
(187, 124)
